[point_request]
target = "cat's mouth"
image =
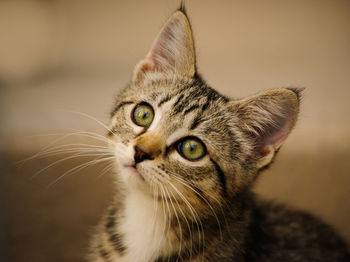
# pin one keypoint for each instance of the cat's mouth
(133, 170)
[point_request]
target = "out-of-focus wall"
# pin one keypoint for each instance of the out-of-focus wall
(61, 58)
(76, 54)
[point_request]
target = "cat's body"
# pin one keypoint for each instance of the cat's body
(261, 231)
(186, 161)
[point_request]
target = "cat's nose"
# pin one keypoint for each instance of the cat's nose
(147, 147)
(141, 155)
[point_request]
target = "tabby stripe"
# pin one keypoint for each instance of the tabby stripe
(191, 109)
(179, 108)
(178, 100)
(222, 176)
(116, 241)
(210, 95)
(114, 237)
(213, 95)
(103, 253)
(111, 219)
(205, 106)
(120, 105)
(197, 120)
(185, 255)
(164, 100)
(191, 96)
(187, 87)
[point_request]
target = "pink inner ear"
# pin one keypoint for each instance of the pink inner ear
(277, 134)
(160, 54)
(270, 118)
(172, 52)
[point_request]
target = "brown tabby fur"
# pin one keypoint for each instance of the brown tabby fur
(167, 208)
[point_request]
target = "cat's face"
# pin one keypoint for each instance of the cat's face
(177, 138)
(174, 133)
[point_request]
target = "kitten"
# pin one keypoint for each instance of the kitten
(187, 157)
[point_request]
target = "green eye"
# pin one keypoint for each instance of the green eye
(142, 115)
(191, 148)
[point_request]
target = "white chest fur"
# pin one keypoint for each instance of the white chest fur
(143, 228)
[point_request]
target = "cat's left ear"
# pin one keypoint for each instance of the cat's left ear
(172, 52)
(267, 119)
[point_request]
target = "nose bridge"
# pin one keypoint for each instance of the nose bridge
(150, 143)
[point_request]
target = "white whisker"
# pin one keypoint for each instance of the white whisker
(178, 220)
(80, 167)
(184, 216)
(183, 182)
(105, 170)
(90, 117)
(64, 136)
(194, 214)
(62, 160)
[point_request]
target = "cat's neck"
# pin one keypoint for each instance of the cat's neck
(151, 234)
(146, 227)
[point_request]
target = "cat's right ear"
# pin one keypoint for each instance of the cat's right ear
(267, 119)
(172, 52)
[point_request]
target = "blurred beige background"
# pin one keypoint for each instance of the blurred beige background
(60, 56)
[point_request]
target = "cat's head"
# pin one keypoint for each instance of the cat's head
(175, 134)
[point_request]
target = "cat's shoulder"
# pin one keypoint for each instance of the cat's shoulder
(278, 229)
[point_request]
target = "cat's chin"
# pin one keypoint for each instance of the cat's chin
(134, 179)
(134, 173)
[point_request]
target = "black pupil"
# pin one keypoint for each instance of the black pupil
(193, 147)
(145, 115)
